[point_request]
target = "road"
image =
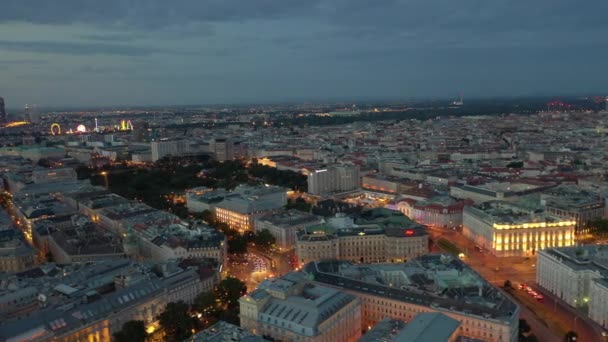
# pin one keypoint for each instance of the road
(523, 270)
(277, 264)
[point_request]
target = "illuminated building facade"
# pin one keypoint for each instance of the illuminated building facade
(361, 244)
(506, 229)
(245, 204)
(435, 212)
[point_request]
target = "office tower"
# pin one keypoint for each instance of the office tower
(3, 118)
(27, 116)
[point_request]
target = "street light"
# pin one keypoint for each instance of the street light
(105, 179)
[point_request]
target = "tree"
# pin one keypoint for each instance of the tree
(132, 331)
(515, 165)
(524, 327)
(265, 240)
(207, 216)
(176, 321)
(237, 244)
(229, 290)
(205, 304)
(571, 336)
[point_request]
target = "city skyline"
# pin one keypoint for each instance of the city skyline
(160, 53)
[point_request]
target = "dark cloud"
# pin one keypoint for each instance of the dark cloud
(148, 13)
(23, 62)
(78, 48)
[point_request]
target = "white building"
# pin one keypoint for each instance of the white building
(163, 148)
(284, 225)
(569, 272)
(506, 229)
(335, 178)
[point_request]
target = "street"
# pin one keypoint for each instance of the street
(523, 270)
(256, 266)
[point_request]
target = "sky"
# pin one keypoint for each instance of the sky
(161, 52)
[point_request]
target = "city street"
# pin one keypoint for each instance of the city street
(523, 270)
(256, 266)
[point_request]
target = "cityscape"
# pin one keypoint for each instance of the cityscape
(310, 209)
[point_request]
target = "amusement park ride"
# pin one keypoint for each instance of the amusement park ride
(125, 125)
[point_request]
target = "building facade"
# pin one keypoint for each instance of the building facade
(284, 226)
(386, 291)
(569, 272)
(506, 229)
(291, 308)
(335, 178)
(361, 244)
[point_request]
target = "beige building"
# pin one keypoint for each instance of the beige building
(377, 235)
(506, 229)
(285, 224)
(291, 308)
(428, 284)
(15, 254)
(361, 244)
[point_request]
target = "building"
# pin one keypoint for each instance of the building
(15, 254)
(378, 235)
(92, 303)
(245, 204)
(163, 148)
(76, 239)
(573, 204)
(225, 332)
(292, 308)
(425, 327)
(203, 198)
(435, 212)
(332, 179)
(496, 191)
(598, 301)
(568, 272)
(433, 283)
(3, 115)
(222, 149)
(507, 229)
(285, 224)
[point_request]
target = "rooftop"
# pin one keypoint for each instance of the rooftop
(435, 280)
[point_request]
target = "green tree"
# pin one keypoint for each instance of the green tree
(208, 216)
(176, 322)
(237, 244)
(229, 290)
(132, 331)
(206, 305)
(264, 240)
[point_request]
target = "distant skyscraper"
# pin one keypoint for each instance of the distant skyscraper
(27, 116)
(3, 118)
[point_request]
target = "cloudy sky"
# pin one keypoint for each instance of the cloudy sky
(155, 52)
